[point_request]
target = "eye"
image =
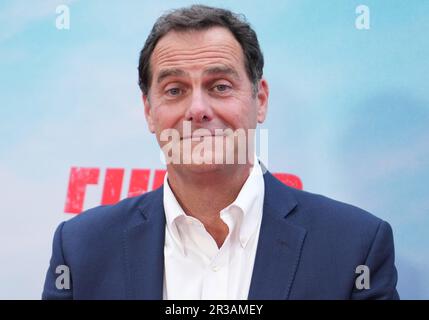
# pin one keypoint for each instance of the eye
(222, 88)
(174, 92)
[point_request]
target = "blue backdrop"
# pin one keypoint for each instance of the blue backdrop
(348, 114)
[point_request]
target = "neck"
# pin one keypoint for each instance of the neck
(203, 194)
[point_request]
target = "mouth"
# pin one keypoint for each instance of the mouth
(201, 136)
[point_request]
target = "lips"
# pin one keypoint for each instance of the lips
(210, 133)
(200, 136)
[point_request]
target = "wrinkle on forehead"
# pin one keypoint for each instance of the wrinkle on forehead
(198, 47)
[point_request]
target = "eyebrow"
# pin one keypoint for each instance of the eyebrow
(175, 72)
(222, 70)
(170, 72)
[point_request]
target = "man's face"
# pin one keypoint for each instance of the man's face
(200, 77)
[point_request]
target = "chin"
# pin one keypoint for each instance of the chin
(202, 168)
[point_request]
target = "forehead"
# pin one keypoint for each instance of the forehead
(197, 49)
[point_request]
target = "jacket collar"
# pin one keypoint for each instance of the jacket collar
(280, 243)
(144, 250)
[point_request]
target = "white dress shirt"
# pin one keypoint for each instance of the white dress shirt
(195, 268)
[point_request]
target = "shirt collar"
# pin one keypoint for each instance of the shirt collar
(249, 202)
(172, 208)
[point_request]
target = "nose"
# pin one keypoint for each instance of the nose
(199, 109)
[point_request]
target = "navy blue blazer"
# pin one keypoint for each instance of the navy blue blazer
(309, 248)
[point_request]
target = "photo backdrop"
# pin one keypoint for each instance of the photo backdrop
(348, 116)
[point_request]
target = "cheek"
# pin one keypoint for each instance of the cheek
(162, 122)
(164, 118)
(241, 114)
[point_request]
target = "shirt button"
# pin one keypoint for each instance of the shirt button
(215, 268)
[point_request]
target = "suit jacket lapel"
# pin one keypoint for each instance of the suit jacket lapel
(277, 256)
(144, 250)
(279, 246)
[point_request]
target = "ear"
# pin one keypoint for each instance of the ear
(262, 100)
(148, 113)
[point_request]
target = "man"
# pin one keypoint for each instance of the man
(216, 229)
